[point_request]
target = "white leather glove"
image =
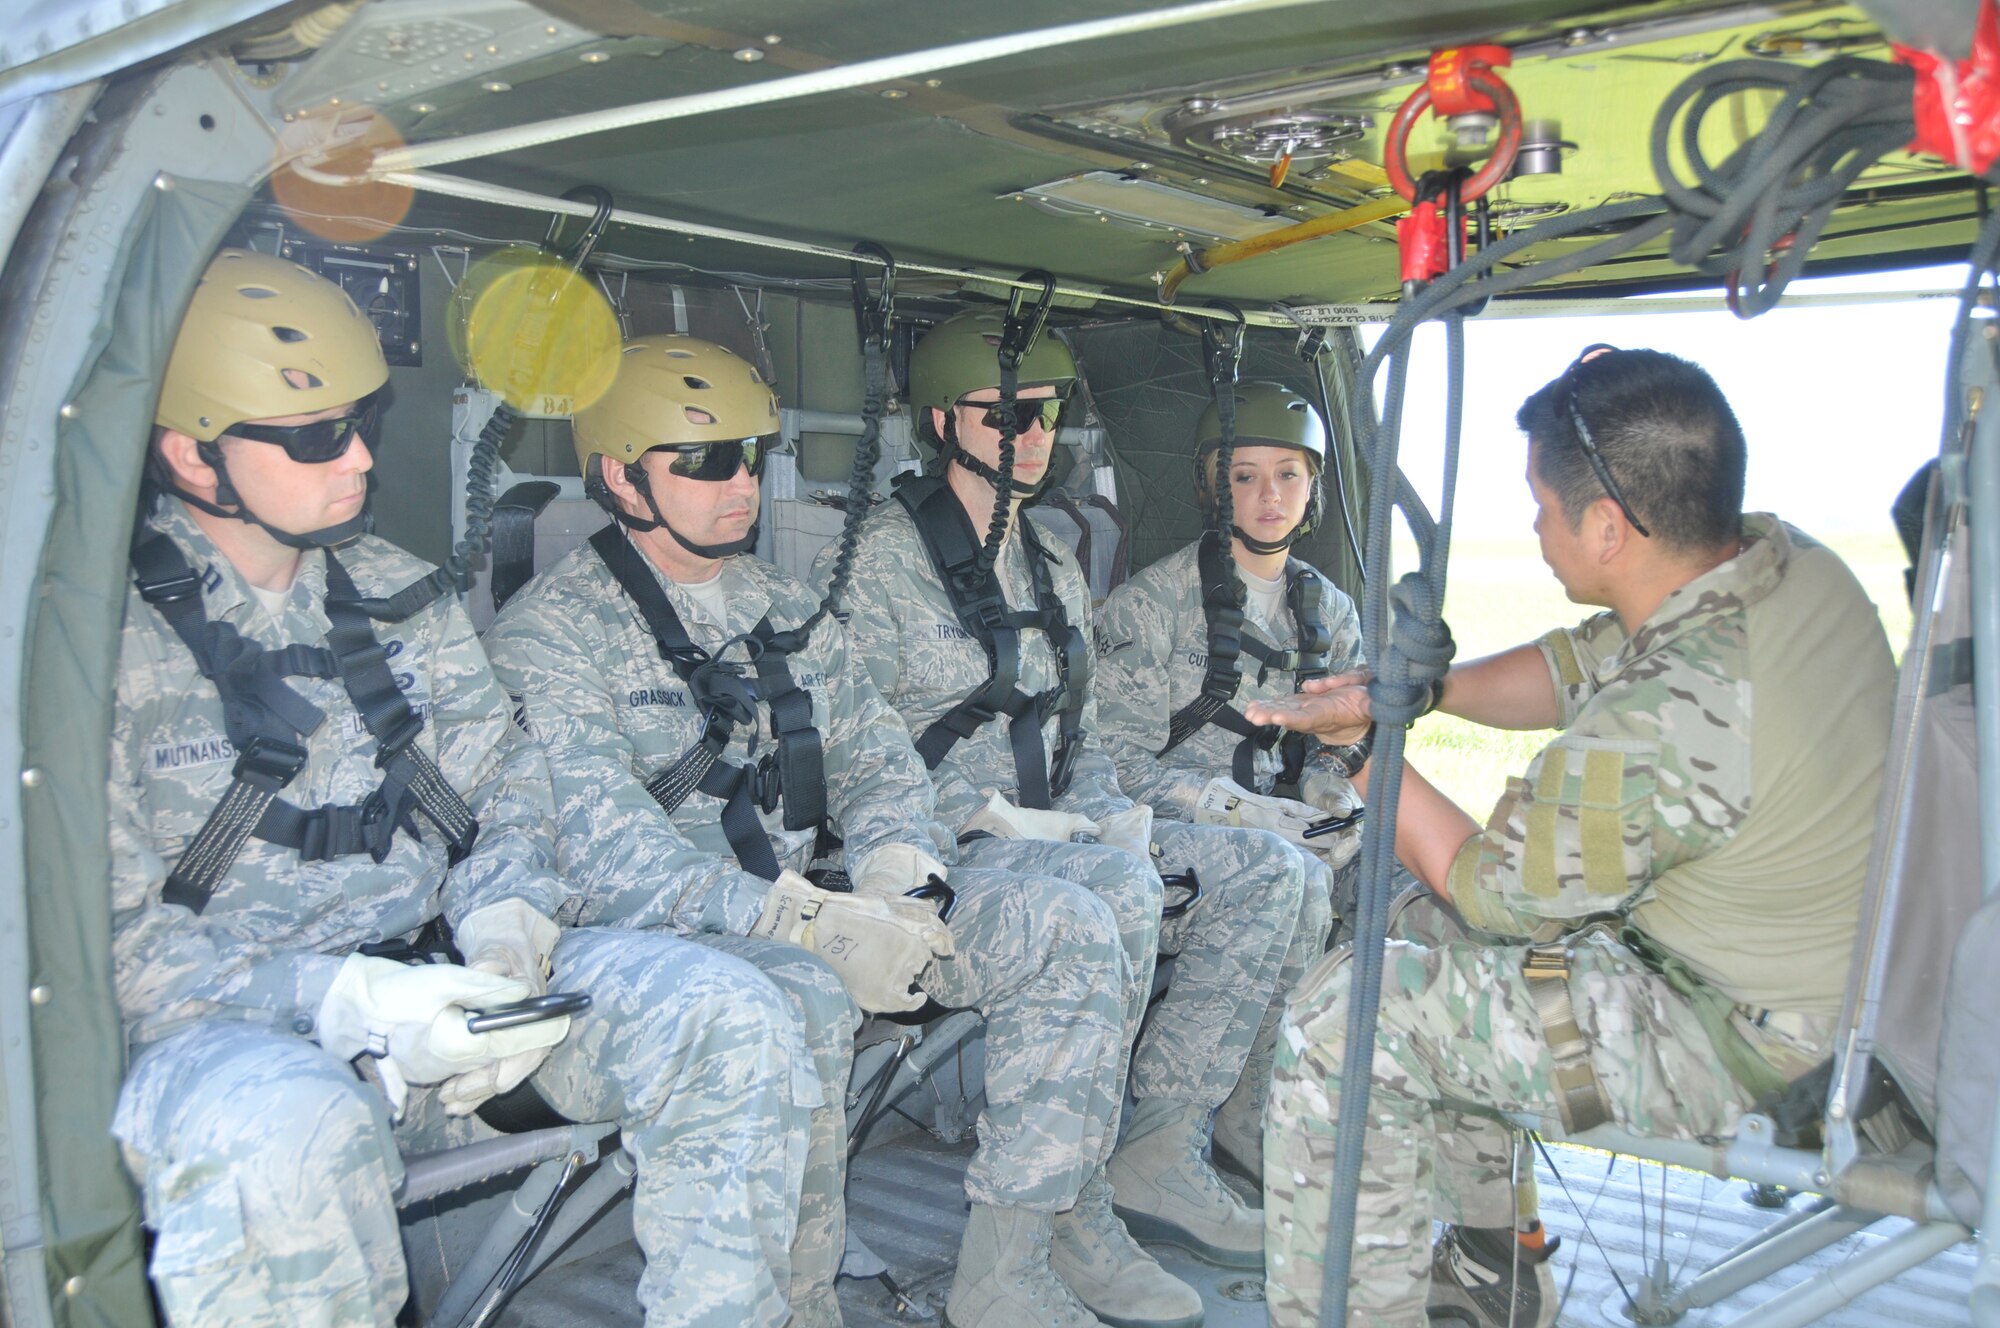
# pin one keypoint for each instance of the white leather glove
(1333, 794)
(1225, 802)
(879, 944)
(1131, 830)
(895, 869)
(411, 1019)
(513, 940)
(1003, 819)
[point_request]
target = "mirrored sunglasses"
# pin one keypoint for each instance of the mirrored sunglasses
(322, 440)
(719, 461)
(1024, 413)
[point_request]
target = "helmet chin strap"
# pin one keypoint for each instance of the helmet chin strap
(1265, 546)
(727, 549)
(326, 537)
(959, 456)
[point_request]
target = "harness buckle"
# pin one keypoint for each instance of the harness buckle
(390, 745)
(767, 782)
(184, 584)
(271, 759)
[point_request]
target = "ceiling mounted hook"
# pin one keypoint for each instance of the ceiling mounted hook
(1222, 343)
(1022, 326)
(874, 317)
(593, 230)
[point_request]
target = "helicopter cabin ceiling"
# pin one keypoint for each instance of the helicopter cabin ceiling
(1101, 160)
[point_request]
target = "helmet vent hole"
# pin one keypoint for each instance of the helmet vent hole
(301, 380)
(288, 335)
(698, 384)
(257, 292)
(695, 415)
(678, 354)
(1298, 406)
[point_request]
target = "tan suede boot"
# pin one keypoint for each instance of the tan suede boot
(1004, 1279)
(1111, 1273)
(1167, 1191)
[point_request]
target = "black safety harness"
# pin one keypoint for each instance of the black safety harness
(983, 612)
(268, 722)
(1221, 603)
(793, 775)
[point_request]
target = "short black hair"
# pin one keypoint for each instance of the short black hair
(1664, 431)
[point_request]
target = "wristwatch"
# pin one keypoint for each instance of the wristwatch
(1348, 758)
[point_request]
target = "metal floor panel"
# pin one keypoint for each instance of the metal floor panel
(905, 1201)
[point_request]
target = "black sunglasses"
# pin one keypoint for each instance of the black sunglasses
(718, 461)
(323, 440)
(1589, 443)
(1023, 413)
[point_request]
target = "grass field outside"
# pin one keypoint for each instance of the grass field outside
(1498, 594)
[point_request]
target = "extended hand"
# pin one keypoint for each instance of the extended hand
(1335, 710)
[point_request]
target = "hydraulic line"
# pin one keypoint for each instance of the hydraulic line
(1334, 223)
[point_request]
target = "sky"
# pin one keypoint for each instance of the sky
(1839, 405)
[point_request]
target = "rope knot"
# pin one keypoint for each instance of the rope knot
(1419, 639)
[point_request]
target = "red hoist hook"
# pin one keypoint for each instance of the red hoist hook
(1464, 87)
(1957, 103)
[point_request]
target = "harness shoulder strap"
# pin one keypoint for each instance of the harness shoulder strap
(409, 774)
(981, 607)
(267, 722)
(796, 779)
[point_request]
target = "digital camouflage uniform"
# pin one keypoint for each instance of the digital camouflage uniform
(1152, 658)
(1038, 957)
(266, 1165)
(1231, 946)
(1714, 781)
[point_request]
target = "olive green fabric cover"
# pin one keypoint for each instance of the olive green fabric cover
(89, 1209)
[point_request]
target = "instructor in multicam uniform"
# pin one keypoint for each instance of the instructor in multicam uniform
(1723, 731)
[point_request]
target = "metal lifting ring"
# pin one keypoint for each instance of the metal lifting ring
(1396, 142)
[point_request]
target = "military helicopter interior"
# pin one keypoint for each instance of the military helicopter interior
(1188, 196)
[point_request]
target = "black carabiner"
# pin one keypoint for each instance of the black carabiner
(1019, 331)
(874, 318)
(934, 890)
(1223, 353)
(593, 231)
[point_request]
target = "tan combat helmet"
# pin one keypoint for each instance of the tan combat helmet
(674, 391)
(265, 338)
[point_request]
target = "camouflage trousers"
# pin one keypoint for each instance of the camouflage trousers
(1124, 884)
(1040, 958)
(1230, 949)
(1457, 1030)
(1246, 1102)
(268, 1168)
(1231, 955)
(829, 1017)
